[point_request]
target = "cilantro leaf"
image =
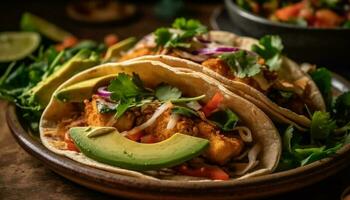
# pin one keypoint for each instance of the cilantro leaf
(341, 109)
(186, 29)
(241, 63)
(163, 35)
(225, 119)
(165, 92)
(321, 126)
(192, 26)
(184, 111)
(270, 48)
(323, 79)
(128, 91)
(125, 86)
(287, 139)
(320, 153)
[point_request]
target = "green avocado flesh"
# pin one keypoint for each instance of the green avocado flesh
(114, 149)
(82, 90)
(43, 90)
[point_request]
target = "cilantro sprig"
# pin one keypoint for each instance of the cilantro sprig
(242, 63)
(180, 34)
(270, 48)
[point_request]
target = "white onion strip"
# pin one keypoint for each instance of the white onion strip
(252, 158)
(151, 120)
(244, 133)
(174, 118)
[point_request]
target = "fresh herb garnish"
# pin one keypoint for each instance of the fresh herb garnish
(270, 48)
(165, 92)
(185, 30)
(242, 63)
(323, 79)
(321, 126)
(184, 111)
(341, 109)
(226, 119)
(127, 91)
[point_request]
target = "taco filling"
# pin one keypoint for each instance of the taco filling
(152, 115)
(257, 67)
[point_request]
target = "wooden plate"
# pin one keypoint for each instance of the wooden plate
(120, 185)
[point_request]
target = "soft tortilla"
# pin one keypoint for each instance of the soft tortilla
(290, 71)
(191, 83)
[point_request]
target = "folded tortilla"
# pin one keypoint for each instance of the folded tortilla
(190, 83)
(289, 71)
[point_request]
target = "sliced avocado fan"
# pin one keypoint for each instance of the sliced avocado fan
(110, 147)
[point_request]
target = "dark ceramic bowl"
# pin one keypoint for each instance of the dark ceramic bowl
(326, 47)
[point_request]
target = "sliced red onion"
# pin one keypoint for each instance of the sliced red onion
(215, 50)
(103, 92)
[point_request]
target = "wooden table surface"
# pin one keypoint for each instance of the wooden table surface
(24, 177)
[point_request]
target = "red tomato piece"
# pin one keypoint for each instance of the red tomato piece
(149, 139)
(211, 172)
(289, 12)
(136, 136)
(213, 104)
(111, 39)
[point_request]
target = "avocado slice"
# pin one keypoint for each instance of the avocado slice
(82, 90)
(42, 92)
(110, 147)
(115, 50)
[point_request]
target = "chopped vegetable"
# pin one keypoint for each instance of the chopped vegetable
(187, 29)
(211, 172)
(166, 92)
(341, 110)
(225, 119)
(321, 126)
(180, 110)
(323, 79)
(270, 48)
(241, 63)
(213, 104)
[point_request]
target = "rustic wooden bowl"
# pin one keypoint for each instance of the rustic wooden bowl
(120, 185)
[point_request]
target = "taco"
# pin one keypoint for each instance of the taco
(255, 70)
(167, 123)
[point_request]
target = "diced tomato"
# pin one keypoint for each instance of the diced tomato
(307, 14)
(326, 18)
(111, 39)
(213, 104)
(70, 144)
(136, 136)
(289, 12)
(149, 139)
(68, 42)
(211, 172)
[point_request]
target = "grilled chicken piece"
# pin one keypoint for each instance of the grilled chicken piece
(217, 65)
(221, 148)
(159, 127)
(137, 53)
(94, 118)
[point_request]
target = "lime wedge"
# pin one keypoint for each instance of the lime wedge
(30, 22)
(17, 45)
